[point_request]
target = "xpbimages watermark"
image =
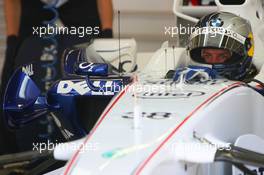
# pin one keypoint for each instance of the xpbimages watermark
(174, 31)
(50, 146)
(62, 30)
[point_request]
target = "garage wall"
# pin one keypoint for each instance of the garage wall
(144, 20)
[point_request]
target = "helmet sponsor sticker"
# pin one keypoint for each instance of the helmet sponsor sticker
(213, 31)
(216, 22)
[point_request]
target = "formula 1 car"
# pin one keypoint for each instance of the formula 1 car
(155, 126)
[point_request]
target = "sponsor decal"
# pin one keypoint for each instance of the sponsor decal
(65, 87)
(82, 88)
(171, 83)
(159, 82)
(216, 22)
(28, 69)
(153, 115)
(170, 94)
(86, 65)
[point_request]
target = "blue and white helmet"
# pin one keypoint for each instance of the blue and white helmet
(223, 30)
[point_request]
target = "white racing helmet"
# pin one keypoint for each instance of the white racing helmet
(226, 31)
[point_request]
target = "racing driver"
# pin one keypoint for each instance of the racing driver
(222, 45)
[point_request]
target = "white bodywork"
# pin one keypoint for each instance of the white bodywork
(226, 111)
(144, 135)
(109, 50)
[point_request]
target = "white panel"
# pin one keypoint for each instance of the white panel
(144, 22)
(143, 5)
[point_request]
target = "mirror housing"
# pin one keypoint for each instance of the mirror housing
(22, 100)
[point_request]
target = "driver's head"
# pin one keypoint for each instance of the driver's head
(225, 42)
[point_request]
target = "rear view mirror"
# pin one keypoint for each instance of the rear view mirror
(22, 101)
(84, 61)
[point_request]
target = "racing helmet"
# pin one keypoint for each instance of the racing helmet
(229, 34)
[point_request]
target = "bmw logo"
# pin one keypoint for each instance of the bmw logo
(216, 22)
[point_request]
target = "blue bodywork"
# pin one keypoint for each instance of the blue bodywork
(23, 101)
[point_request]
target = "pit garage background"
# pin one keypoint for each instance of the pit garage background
(143, 22)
